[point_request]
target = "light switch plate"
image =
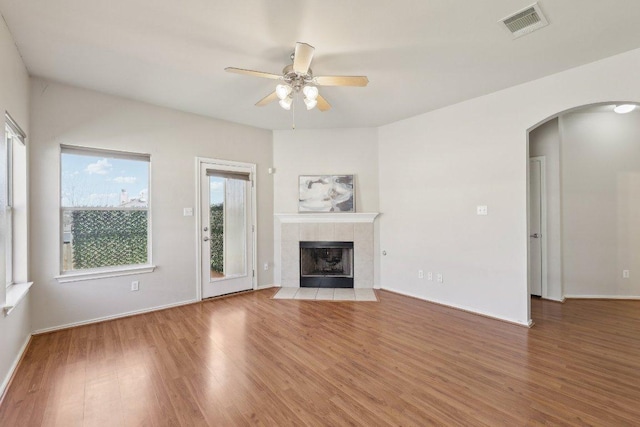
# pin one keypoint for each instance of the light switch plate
(187, 212)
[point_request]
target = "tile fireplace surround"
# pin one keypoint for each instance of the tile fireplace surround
(291, 229)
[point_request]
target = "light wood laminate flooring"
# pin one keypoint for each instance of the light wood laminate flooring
(253, 360)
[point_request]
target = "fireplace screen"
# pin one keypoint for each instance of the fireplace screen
(326, 264)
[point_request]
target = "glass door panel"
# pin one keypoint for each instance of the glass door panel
(226, 234)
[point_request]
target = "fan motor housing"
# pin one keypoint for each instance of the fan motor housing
(296, 80)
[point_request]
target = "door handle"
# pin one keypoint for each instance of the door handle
(205, 238)
(535, 235)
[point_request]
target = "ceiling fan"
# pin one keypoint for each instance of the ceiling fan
(298, 77)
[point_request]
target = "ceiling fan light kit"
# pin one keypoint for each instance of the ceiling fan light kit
(310, 92)
(310, 103)
(298, 77)
(283, 91)
(286, 102)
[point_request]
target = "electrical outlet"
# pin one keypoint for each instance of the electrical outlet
(429, 276)
(481, 210)
(135, 285)
(266, 266)
(625, 274)
(420, 274)
(439, 278)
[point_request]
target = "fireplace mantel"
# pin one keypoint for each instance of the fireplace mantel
(327, 217)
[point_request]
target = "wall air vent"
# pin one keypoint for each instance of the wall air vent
(525, 21)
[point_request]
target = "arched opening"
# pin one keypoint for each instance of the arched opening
(583, 204)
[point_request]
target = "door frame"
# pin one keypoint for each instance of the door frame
(254, 226)
(543, 224)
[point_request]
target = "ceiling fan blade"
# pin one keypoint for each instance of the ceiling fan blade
(302, 58)
(267, 99)
(323, 105)
(253, 73)
(341, 80)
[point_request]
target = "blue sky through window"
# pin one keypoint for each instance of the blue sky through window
(90, 181)
(216, 190)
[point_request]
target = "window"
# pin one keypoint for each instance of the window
(14, 136)
(104, 205)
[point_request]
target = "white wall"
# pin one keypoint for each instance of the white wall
(327, 151)
(545, 141)
(15, 329)
(67, 115)
(435, 168)
(601, 203)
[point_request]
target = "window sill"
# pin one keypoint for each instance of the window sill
(105, 273)
(15, 294)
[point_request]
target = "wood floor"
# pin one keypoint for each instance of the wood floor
(252, 360)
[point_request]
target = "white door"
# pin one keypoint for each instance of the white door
(536, 273)
(226, 228)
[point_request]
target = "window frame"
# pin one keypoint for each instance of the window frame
(9, 212)
(13, 134)
(107, 271)
(14, 292)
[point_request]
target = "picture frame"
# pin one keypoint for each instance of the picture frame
(326, 193)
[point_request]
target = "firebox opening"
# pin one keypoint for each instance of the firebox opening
(326, 264)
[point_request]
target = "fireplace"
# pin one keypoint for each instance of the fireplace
(326, 264)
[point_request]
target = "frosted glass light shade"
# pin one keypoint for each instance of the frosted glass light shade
(286, 103)
(310, 92)
(310, 103)
(624, 108)
(282, 91)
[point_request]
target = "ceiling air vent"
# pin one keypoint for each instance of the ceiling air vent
(525, 21)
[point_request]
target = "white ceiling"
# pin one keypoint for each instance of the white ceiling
(419, 55)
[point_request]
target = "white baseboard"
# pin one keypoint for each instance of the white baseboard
(259, 288)
(527, 324)
(12, 370)
(563, 299)
(112, 317)
(627, 297)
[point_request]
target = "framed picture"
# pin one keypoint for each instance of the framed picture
(326, 193)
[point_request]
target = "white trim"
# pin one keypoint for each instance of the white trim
(469, 310)
(326, 217)
(78, 276)
(612, 297)
(104, 152)
(14, 366)
(563, 299)
(198, 223)
(97, 273)
(543, 225)
(254, 224)
(15, 294)
(112, 317)
(233, 166)
(14, 127)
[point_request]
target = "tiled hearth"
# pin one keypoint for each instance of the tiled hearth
(291, 229)
(326, 294)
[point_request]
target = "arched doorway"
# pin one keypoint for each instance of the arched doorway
(582, 244)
